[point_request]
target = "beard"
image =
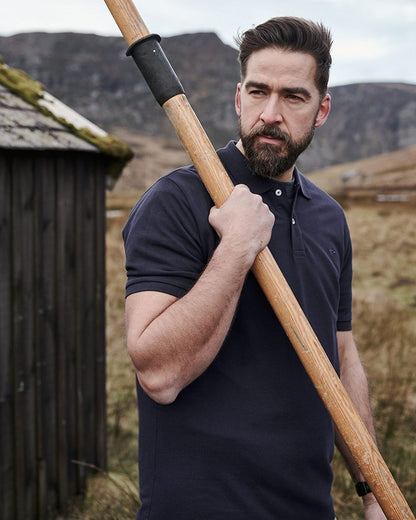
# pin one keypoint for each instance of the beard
(272, 160)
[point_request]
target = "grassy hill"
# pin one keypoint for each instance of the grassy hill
(391, 173)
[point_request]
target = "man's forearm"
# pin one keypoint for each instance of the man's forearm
(355, 382)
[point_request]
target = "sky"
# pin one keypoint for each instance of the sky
(374, 40)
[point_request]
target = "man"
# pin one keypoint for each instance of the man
(230, 425)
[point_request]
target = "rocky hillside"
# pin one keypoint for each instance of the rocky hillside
(92, 74)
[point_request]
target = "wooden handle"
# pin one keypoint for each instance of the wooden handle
(128, 19)
(278, 293)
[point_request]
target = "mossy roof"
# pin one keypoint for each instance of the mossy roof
(31, 118)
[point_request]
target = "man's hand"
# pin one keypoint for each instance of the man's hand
(244, 223)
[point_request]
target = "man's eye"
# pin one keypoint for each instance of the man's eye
(294, 97)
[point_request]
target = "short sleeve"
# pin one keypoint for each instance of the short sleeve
(167, 237)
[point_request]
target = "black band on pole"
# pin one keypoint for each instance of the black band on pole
(155, 67)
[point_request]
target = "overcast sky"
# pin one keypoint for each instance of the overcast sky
(375, 40)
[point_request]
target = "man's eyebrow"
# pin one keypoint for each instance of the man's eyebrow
(255, 84)
(287, 90)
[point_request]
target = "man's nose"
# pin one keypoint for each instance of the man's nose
(272, 111)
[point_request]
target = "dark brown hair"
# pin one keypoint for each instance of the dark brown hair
(292, 34)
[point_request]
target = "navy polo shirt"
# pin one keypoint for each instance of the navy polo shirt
(249, 438)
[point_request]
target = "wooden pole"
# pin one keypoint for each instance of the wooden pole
(278, 292)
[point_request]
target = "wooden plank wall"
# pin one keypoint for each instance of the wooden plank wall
(52, 322)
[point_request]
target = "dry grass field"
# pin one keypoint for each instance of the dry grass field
(384, 240)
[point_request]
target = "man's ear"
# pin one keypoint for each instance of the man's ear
(238, 100)
(323, 111)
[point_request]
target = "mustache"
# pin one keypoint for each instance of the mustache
(270, 131)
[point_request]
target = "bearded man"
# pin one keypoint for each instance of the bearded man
(230, 426)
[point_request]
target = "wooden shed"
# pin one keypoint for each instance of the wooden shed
(54, 170)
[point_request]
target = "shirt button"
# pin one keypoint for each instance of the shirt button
(278, 192)
(293, 221)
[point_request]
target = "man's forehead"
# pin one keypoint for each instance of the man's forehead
(280, 55)
(272, 63)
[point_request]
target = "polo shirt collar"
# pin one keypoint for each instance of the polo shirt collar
(237, 167)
